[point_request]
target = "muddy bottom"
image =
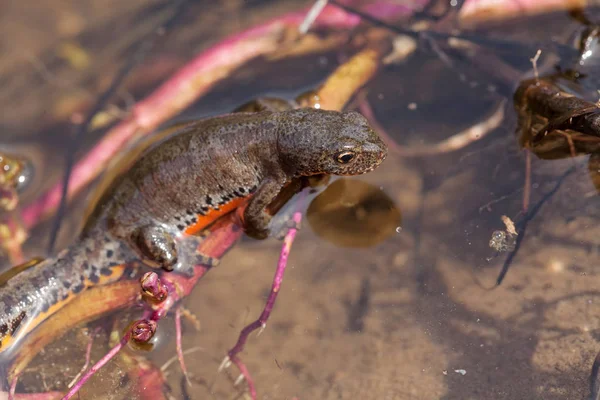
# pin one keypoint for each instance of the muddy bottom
(416, 315)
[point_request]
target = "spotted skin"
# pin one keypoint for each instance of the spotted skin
(178, 187)
(28, 298)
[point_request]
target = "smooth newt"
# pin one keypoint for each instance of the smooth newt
(177, 188)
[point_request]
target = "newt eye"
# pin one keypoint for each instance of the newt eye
(344, 157)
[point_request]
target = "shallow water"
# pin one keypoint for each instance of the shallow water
(412, 316)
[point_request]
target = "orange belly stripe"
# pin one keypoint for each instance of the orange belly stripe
(205, 220)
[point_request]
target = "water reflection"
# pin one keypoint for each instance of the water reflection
(353, 213)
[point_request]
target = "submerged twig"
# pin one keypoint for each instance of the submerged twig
(595, 379)
(179, 346)
(456, 142)
(88, 353)
(312, 15)
(171, 360)
(521, 226)
(96, 367)
(260, 323)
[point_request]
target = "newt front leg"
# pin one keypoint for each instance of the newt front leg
(158, 248)
(256, 217)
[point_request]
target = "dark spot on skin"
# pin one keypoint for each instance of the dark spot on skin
(66, 284)
(78, 288)
(236, 193)
(221, 187)
(209, 200)
(207, 261)
(105, 271)
(204, 209)
(85, 266)
(94, 278)
(194, 220)
(64, 296)
(180, 227)
(47, 274)
(241, 190)
(253, 189)
(178, 218)
(3, 329)
(189, 212)
(109, 253)
(17, 321)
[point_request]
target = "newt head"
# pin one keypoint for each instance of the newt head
(315, 142)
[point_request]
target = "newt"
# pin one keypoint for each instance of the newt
(154, 213)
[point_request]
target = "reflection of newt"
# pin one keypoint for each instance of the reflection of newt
(178, 187)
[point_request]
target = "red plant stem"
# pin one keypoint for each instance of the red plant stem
(88, 355)
(264, 316)
(191, 82)
(246, 374)
(153, 315)
(223, 235)
(178, 344)
(96, 367)
(13, 388)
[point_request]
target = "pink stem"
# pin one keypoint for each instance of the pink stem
(264, 316)
(88, 356)
(13, 388)
(96, 367)
(178, 344)
(246, 374)
(220, 240)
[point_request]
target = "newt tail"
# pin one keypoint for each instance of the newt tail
(38, 292)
